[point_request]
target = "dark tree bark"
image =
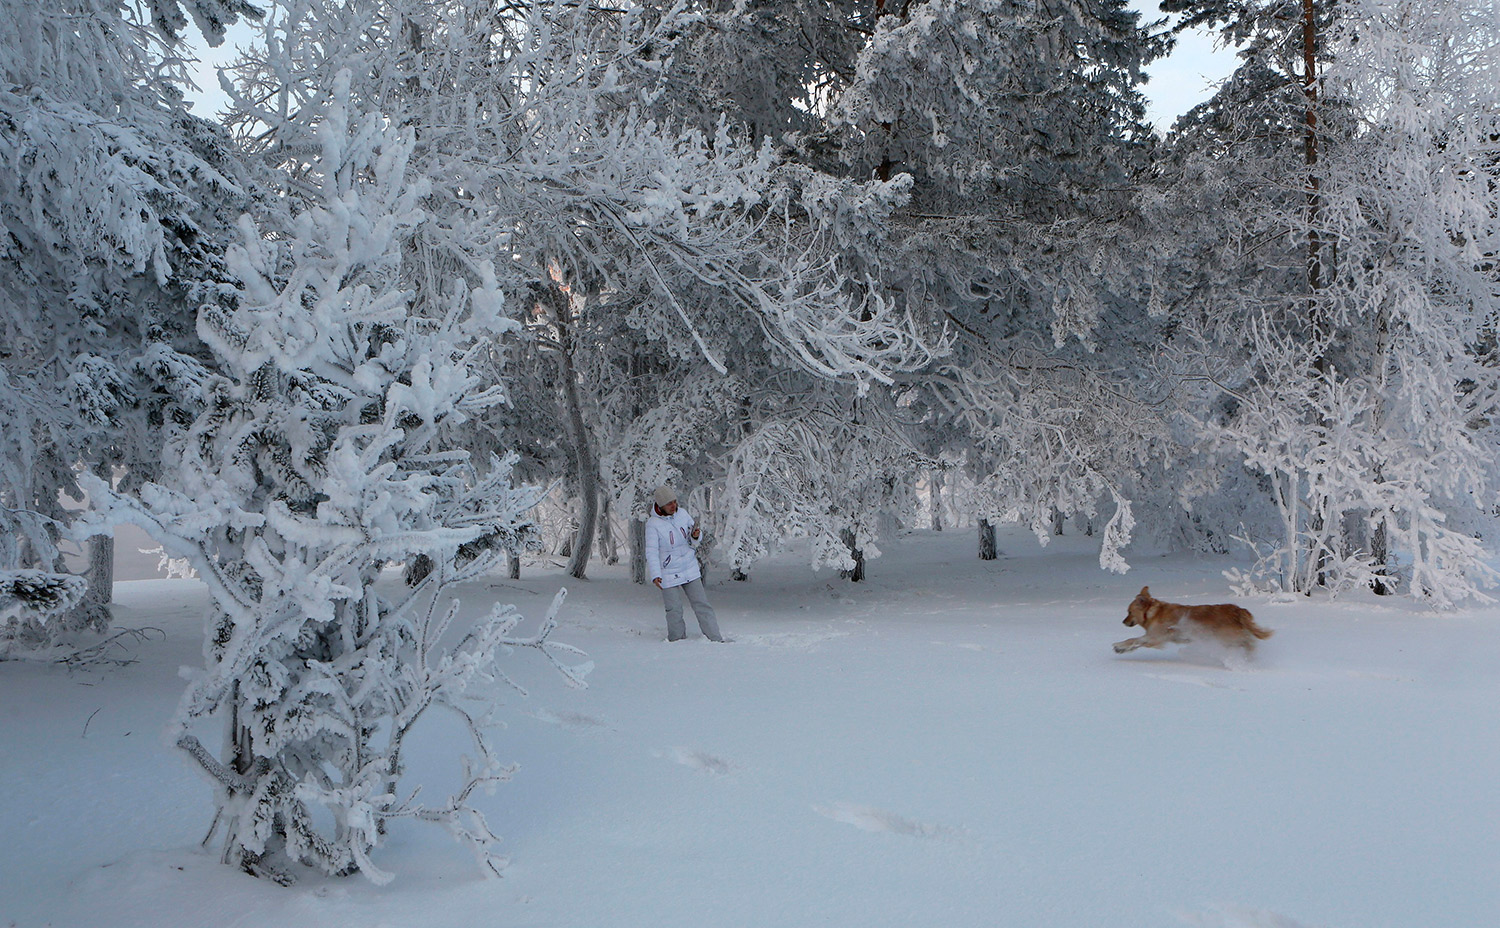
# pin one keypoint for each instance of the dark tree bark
(987, 549)
(936, 496)
(857, 572)
(637, 551)
(609, 547)
(587, 464)
(93, 612)
(1316, 272)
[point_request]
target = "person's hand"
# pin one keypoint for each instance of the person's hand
(696, 530)
(657, 581)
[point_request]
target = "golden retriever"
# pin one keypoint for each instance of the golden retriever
(1173, 623)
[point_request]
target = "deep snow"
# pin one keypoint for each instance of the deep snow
(952, 743)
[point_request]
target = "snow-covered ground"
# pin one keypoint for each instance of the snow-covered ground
(952, 743)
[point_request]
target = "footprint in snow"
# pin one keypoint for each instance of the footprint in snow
(961, 647)
(700, 760)
(803, 641)
(866, 818)
(1238, 917)
(576, 721)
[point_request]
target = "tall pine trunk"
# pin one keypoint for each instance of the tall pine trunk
(637, 532)
(1317, 552)
(583, 455)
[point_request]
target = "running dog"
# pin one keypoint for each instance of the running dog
(1173, 623)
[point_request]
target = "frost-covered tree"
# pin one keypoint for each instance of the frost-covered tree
(1346, 285)
(113, 206)
(829, 472)
(1408, 213)
(1022, 127)
(772, 68)
(1016, 129)
(320, 458)
(618, 230)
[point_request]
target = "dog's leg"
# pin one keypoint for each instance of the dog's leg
(1155, 638)
(1130, 644)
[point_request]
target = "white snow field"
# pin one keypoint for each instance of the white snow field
(952, 743)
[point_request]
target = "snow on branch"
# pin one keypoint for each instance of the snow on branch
(324, 453)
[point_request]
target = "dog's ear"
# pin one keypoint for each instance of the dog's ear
(1145, 592)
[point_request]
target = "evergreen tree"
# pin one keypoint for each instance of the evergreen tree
(1022, 125)
(1343, 282)
(319, 458)
(114, 204)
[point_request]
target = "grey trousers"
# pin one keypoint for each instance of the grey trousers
(693, 590)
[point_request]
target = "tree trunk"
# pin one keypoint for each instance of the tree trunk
(637, 551)
(93, 613)
(1380, 555)
(1310, 146)
(513, 564)
(608, 546)
(1058, 520)
(935, 493)
(637, 527)
(242, 761)
(1318, 518)
(1384, 581)
(856, 573)
(987, 549)
(588, 466)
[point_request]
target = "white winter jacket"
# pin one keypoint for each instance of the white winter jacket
(670, 549)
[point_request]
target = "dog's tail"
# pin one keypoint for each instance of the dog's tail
(1247, 622)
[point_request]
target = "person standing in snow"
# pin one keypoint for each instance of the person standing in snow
(672, 564)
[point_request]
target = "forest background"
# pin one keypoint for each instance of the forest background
(450, 282)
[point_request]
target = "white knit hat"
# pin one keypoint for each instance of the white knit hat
(665, 495)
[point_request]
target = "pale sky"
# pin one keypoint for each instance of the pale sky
(1184, 78)
(1178, 82)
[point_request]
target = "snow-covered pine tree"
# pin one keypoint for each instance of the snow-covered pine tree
(37, 596)
(1343, 279)
(773, 69)
(1409, 213)
(1014, 127)
(319, 459)
(730, 272)
(1022, 126)
(113, 203)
